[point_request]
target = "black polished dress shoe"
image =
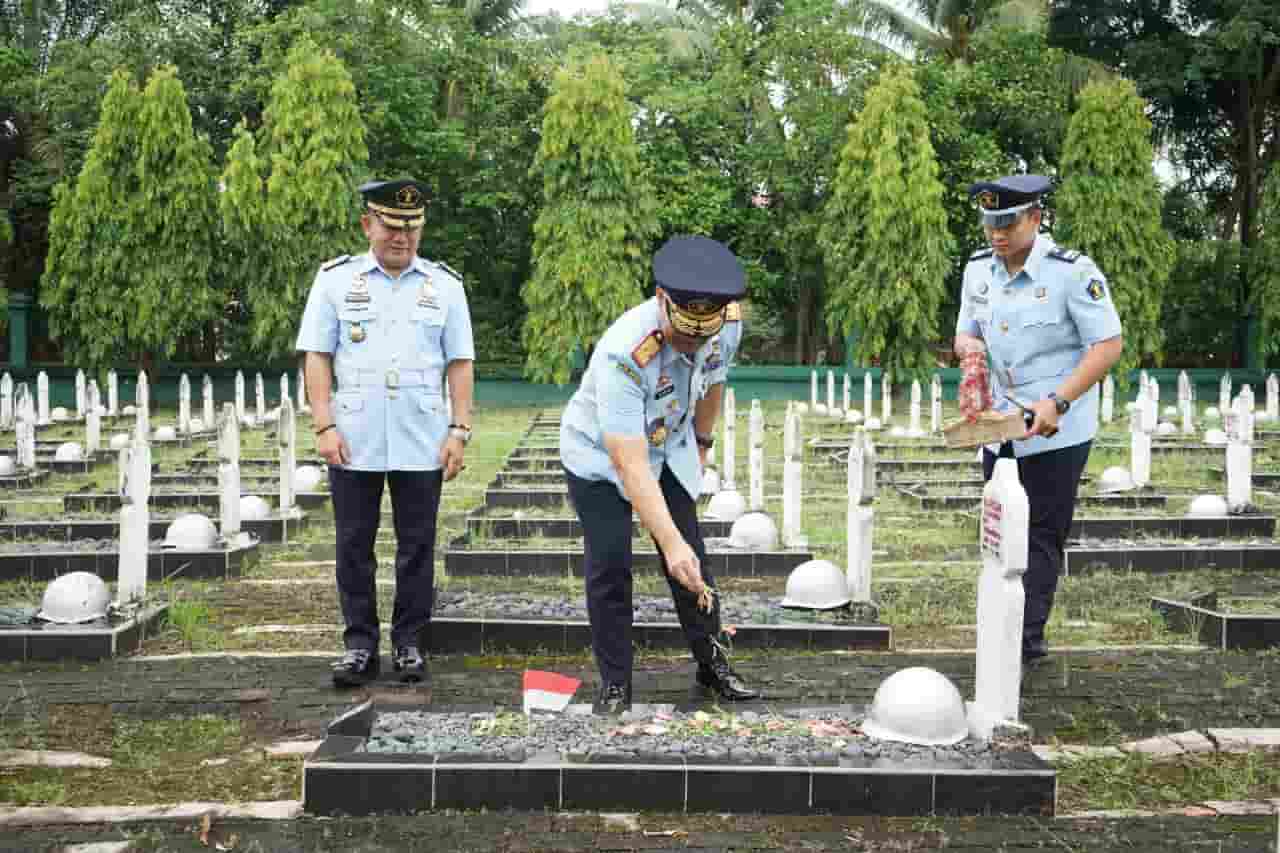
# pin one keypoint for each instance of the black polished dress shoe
(718, 676)
(613, 699)
(410, 664)
(357, 668)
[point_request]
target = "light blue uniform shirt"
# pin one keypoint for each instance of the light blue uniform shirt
(391, 340)
(655, 401)
(1037, 327)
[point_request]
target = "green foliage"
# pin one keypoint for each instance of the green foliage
(130, 245)
(1109, 207)
(593, 236)
(1265, 265)
(884, 235)
(293, 204)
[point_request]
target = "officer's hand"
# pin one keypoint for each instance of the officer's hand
(683, 565)
(1046, 419)
(333, 447)
(451, 457)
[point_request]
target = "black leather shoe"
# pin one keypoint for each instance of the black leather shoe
(1034, 650)
(612, 700)
(717, 675)
(357, 667)
(410, 664)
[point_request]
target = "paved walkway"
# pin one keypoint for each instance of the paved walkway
(1092, 698)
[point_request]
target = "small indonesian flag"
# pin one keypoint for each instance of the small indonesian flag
(547, 691)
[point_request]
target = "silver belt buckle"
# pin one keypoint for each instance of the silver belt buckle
(393, 379)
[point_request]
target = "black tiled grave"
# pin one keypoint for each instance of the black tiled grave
(161, 563)
(209, 501)
(86, 643)
(461, 561)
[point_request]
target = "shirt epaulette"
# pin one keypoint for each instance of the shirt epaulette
(336, 262)
(450, 270)
(981, 253)
(733, 313)
(1069, 256)
(647, 348)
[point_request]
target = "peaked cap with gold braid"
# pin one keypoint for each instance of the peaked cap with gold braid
(397, 204)
(702, 277)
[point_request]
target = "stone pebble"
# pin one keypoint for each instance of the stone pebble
(585, 738)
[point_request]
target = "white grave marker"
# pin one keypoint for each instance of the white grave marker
(1185, 403)
(914, 428)
(6, 401)
(1249, 406)
(206, 394)
(1273, 398)
(92, 422)
(113, 393)
(82, 400)
(1224, 394)
(184, 405)
(240, 409)
(755, 456)
(42, 398)
(935, 404)
(886, 398)
(142, 422)
(813, 390)
(861, 517)
(25, 428)
(135, 521)
(831, 391)
(1108, 399)
(288, 434)
(284, 390)
(229, 472)
(259, 398)
(847, 401)
(727, 480)
(867, 411)
(303, 408)
(1240, 451)
(1003, 539)
(1139, 448)
(792, 470)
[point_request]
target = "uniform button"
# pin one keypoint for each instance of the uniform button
(1004, 327)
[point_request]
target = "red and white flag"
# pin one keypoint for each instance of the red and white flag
(548, 691)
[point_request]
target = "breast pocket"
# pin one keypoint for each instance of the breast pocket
(428, 326)
(1043, 317)
(356, 329)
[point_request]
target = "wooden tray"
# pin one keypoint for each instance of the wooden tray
(990, 428)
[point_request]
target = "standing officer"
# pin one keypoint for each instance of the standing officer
(634, 436)
(1047, 318)
(389, 326)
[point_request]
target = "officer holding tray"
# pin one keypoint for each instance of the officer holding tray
(390, 327)
(634, 437)
(1046, 316)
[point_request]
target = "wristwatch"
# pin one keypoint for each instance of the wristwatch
(462, 432)
(706, 441)
(1062, 403)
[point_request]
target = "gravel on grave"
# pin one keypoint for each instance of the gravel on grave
(28, 547)
(1169, 542)
(735, 609)
(659, 734)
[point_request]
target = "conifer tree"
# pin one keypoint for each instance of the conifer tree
(592, 238)
(884, 233)
(130, 244)
(289, 196)
(1109, 208)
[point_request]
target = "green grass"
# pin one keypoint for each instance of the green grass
(1138, 782)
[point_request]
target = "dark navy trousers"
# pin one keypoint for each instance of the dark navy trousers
(357, 510)
(1052, 480)
(607, 526)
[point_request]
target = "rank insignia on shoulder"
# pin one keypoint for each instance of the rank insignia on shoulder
(981, 253)
(733, 313)
(1096, 289)
(450, 270)
(1069, 256)
(336, 262)
(647, 348)
(630, 372)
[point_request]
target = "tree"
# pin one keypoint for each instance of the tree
(948, 27)
(131, 245)
(283, 221)
(1109, 207)
(593, 236)
(884, 234)
(1211, 74)
(1266, 265)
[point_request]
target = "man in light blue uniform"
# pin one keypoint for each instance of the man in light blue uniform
(389, 326)
(634, 436)
(1047, 319)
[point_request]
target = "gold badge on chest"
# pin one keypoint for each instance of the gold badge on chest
(657, 433)
(359, 290)
(357, 333)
